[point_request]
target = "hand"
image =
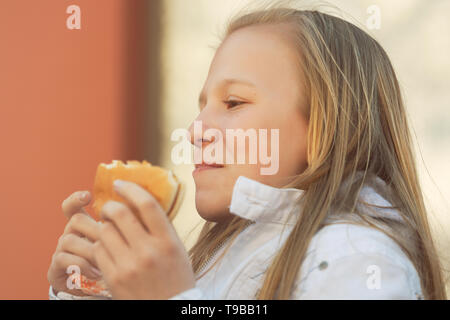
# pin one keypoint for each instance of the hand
(141, 256)
(75, 246)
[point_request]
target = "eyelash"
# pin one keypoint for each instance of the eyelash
(228, 102)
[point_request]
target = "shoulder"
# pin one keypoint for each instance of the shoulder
(343, 239)
(348, 261)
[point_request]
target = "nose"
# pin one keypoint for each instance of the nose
(196, 133)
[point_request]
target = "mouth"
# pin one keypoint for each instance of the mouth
(205, 166)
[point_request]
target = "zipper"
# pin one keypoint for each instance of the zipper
(217, 249)
(212, 256)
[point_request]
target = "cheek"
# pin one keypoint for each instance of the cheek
(291, 149)
(283, 142)
(293, 144)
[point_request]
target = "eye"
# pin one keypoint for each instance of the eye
(232, 103)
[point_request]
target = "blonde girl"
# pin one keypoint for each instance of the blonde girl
(342, 218)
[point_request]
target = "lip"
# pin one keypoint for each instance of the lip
(205, 166)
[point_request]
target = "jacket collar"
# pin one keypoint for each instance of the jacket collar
(259, 202)
(253, 200)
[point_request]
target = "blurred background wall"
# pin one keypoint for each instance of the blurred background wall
(119, 86)
(69, 99)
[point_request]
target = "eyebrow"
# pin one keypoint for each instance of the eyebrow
(202, 95)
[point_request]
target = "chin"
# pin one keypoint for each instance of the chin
(212, 209)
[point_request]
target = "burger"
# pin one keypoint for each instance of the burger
(162, 184)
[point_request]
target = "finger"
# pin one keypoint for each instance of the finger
(66, 261)
(78, 246)
(151, 213)
(103, 260)
(113, 241)
(125, 221)
(83, 225)
(75, 203)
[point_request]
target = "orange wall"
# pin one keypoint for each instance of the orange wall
(62, 101)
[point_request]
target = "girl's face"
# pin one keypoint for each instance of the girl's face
(267, 89)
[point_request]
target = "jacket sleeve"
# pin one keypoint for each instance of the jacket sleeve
(191, 294)
(358, 277)
(67, 296)
(356, 262)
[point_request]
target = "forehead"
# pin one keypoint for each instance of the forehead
(262, 54)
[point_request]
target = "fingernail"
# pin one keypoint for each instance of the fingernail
(118, 183)
(97, 272)
(83, 196)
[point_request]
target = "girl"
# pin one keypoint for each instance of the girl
(342, 218)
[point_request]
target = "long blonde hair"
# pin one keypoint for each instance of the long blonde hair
(357, 123)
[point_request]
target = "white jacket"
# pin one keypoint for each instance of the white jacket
(343, 261)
